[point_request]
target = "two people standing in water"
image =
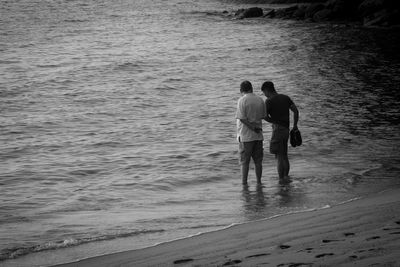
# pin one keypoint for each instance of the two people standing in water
(251, 110)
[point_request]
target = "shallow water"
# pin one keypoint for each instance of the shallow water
(118, 129)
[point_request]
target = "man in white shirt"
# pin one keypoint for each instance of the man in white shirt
(250, 112)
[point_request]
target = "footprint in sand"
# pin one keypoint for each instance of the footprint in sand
(258, 255)
(232, 262)
(330, 240)
(349, 234)
(308, 250)
(296, 264)
(324, 255)
(182, 261)
(393, 228)
(372, 238)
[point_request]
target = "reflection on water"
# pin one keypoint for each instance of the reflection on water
(263, 201)
(285, 193)
(254, 201)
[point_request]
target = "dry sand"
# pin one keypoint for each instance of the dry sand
(364, 232)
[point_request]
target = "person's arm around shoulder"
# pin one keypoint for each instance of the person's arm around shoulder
(295, 111)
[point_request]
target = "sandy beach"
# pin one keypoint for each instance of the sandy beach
(363, 232)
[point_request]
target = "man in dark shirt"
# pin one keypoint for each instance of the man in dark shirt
(278, 106)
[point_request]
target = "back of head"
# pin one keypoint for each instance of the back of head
(246, 87)
(268, 86)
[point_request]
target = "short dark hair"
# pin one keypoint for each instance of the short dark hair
(268, 86)
(246, 87)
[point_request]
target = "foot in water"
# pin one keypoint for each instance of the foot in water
(285, 180)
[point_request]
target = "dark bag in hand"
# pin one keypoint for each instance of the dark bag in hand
(295, 138)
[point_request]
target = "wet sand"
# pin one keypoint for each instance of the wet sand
(362, 232)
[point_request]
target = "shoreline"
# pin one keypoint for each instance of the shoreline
(365, 12)
(361, 232)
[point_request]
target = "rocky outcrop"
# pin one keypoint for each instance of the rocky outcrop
(380, 12)
(313, 9)
(366, 12)
(252, 12)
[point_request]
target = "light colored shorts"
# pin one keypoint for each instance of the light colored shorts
(253, 149)
(279, 140)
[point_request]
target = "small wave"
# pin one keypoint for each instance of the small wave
(107, 144)
(173, 183)
(214, 154)
(139, 166)
(75, 20)
(10, 93)
(165, 88)
(157, 187)
(136, 67)
(13, 219)
(48, 65)
(9, 61)
(18, 251)
(167, 80)
(212, 13)
(376, 171)
(26, 45)
(170, 202)
(84, 172)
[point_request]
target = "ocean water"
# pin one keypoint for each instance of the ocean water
(118, 121)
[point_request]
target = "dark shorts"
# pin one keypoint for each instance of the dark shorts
(253, 149)
(279, 140)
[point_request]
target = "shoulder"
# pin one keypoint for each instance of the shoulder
(258, 99)
(242, 100)
(286, 97)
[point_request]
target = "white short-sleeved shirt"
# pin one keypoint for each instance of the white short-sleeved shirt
(252, 108)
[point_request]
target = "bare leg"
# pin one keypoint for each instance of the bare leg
(258, 167)
(283, 166)
(245, 172)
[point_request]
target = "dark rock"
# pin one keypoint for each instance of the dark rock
(369, 12)
(270, 14)
(300, 13)
(286, 12)
(295, 1)
(334, 9)
(312, 9)
(394, 18)
(383, 17)
(343, 7)
(339, 8)
(369, 7)
(239, 12)
(323, 15)
(252, 12)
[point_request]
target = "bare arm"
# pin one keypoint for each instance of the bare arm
(269, 119)
(251, 125)
(295, 111)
